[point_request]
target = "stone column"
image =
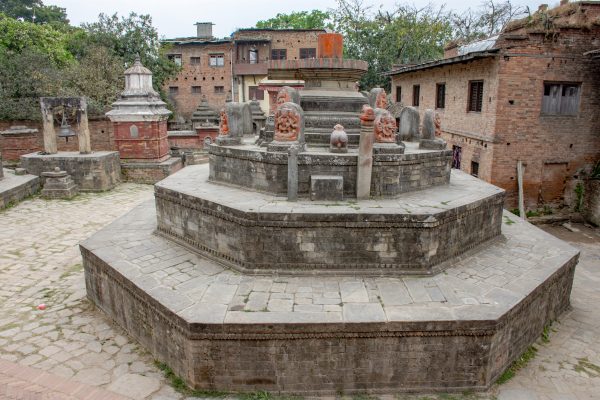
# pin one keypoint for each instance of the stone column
(365, 154)
(83, 137)
(50, 146)
(292, 183)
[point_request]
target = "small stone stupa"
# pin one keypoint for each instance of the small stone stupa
(204, 114)
(139, 119)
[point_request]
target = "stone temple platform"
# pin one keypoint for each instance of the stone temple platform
(14, 188)
(227, 328)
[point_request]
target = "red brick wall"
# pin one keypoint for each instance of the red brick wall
(472, 131)
(150, 144)
(554, 148)
(511, 127)
(101, 132)
(202, 75)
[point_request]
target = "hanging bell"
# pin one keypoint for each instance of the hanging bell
(65, 129)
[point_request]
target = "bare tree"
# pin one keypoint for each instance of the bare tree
(488, 20)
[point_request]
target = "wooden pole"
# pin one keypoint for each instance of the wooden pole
(85, 145)
(50, 146)
(520, 170)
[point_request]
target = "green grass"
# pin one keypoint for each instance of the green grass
(585, 366)
(508, 221)
(180, 386)
(73, 270)
(519, 363)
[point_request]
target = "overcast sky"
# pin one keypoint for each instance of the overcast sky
(175, 18)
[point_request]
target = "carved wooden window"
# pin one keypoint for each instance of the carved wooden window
(219, 89)
(217, 60)
(398, 94)
(195, 60)
(561, 98)
(278, 54)
(254, 93)
(440, 95)
(253, 56)
(196, 89)
(475, 96)
(416, 95)
(308, 53)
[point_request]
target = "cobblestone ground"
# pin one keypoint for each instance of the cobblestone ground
(40, 263)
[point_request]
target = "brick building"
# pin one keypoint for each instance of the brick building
(215, 67)
(531, 93)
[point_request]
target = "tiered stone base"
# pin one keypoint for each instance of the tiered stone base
(222, 330)
(150, 172)
(259, 233)
(14, 188)
(255, 168)
(95, 172)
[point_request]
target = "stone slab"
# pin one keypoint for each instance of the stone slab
(326, 187)
(415, 343)
(14, 188)
(95, 172)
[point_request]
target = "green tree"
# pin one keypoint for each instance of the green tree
(126, 37)
(33, 11)
(315, 19)
(406, 34)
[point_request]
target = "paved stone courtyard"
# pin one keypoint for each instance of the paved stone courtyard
(40, 263)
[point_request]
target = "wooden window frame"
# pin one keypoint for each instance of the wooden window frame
(561, 106)
(416, 95)
(475, 100)
(216, 63)
(440, 101)
(196, 89)
(260, 94)
(312, 53)
(219, 89)
(398, 94)
(276, 54)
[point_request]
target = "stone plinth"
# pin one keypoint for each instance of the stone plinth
(14, 188)
(150, 172)
(255, 168)
(326, 187)
(142, 141)
(58, 185)
(94, 172)
(254, 232)
(319, 335)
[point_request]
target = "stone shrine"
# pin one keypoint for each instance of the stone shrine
(204, 114)
(298, 270)
(92, 171)
(139, 120)
(431, 124)
(58, 185)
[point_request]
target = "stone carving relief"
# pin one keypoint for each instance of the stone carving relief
(438, 125)
(385, 128)
(287, 123)
(223, 123)
(367, 115)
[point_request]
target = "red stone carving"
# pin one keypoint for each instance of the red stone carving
(368, 115)
(287, 124)
(283, 96)
(385, 128)
(381, 100)
(223, 123)
(438, 125)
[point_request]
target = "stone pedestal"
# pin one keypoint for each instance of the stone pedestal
(94, 172)
(388, 148)
(432, 144)
(14, 188)
(59, 185)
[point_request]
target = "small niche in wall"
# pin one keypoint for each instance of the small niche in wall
(133, 131)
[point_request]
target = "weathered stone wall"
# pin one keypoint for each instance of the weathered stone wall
(299, 242)
(267, 172)
(14, 146)
(150, 173)
(591, 205)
